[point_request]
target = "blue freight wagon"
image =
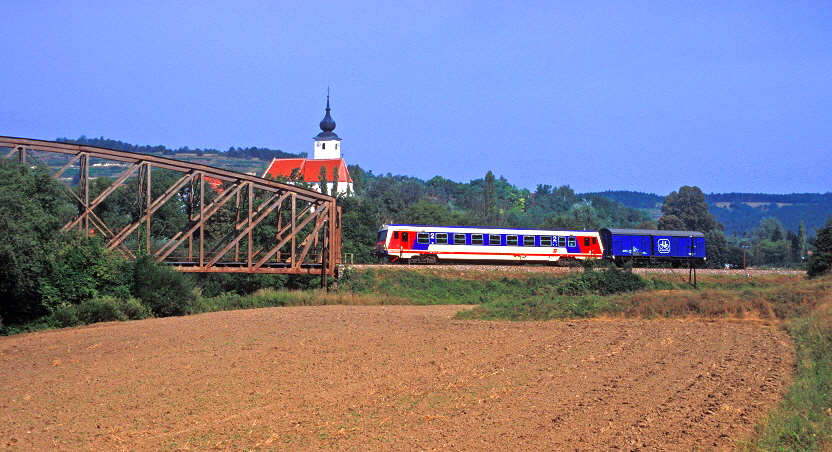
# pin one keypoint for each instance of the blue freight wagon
(653, 246)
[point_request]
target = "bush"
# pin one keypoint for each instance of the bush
(819, 265)
(83, 269)
(605, 282)
(216, 284)
(103, 309)
(164, 290)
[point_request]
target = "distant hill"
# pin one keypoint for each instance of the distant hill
(244, 160)
(633, 199)
(742, 212)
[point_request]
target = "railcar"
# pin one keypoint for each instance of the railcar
(653, 246)
(430, 244)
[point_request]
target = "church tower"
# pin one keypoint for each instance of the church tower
(327, 144)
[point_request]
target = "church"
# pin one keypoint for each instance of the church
(326, 154)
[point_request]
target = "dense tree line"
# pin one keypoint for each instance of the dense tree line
(242, 153)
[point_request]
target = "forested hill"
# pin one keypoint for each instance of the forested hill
(742, 212)
(239, 153)
(634, 199)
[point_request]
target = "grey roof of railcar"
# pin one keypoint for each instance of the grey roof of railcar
(617, 231)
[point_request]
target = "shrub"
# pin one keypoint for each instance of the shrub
(164, 290)
(103, 309)
(605, 282)
(216, 284)
(99, 310)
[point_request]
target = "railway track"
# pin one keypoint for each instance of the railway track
(547, 269)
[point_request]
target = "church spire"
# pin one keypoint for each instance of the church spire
(327, 143)
(327, 124)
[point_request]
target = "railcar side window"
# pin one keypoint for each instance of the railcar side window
(442, 238)
(561, 241)
(476, 239)
(494, 239)
(396, 235)
(422, 238)
(405, 237)
(511, 240)
(594, 240)
(586, 241)
(573, 241)
(459, 239)
(545, 240)
(528, 240)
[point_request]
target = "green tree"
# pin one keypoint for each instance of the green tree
(428, 212)
(688, 204)
(32, 211)
(322, 181)
(801, 242)
(360, 222)
(769, 228)
(821, 261)
(489, 200)
(672, 223)
(585, 215)
(717, 248)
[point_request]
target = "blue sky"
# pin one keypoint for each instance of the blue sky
(645, 96)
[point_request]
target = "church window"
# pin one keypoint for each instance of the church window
(323, 146)
(336, 146)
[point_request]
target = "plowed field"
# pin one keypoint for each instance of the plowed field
(389, 378)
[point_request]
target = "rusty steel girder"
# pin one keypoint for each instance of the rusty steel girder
(228, 222)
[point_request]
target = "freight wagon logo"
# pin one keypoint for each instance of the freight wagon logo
(664, 246)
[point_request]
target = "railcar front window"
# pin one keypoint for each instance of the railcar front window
(459, 239)
(476, 239)
(545, 241)
(441, 238)
(382, 236)
(494, 239)
(528, 240)
(422, 238)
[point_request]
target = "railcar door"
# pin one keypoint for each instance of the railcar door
(405, 243)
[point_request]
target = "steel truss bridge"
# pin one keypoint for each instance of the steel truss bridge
(194, 217)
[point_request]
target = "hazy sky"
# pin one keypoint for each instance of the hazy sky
(731, 96)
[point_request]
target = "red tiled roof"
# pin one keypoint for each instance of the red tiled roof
(309, 169)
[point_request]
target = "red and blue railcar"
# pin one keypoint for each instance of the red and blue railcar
(430, 244)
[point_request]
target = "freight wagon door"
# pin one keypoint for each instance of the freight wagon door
(699, 247)
(615, 246)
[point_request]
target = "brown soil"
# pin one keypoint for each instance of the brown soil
(389, 378)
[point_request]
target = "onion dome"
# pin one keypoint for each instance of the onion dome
(327, 124)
